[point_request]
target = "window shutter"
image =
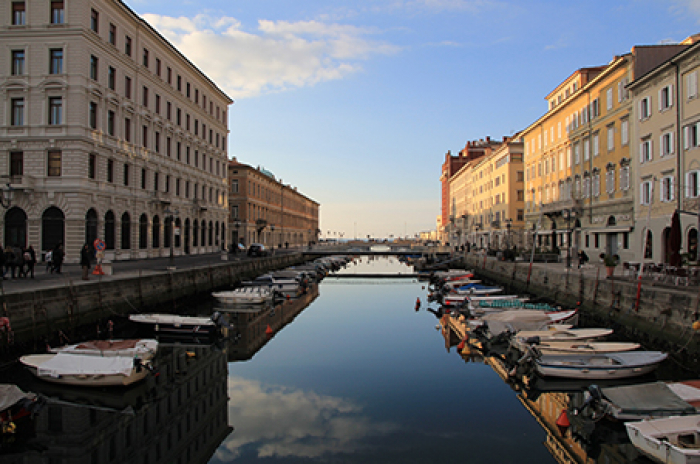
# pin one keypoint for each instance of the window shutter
(670, 96)
(661, 99)
(641, 152)
(686, 137)
(671, 142)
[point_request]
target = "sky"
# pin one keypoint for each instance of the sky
(356, 103)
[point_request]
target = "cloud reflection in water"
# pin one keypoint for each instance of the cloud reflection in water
(286, 422)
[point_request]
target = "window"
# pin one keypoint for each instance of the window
(158, 67)
(157, 141)
(666, 98)
(57, 12)
(645, 190)
(625, 178)
(586, 149)
(692, 184)
(596, 145)
(645, 151)
(127, 129)
(609, 99)
(127, 86)
(624, 132)
(113, 34)
(55, 110)
(690, 136)
(144, 137)
(92, 113)
(143, 178)
(16, 163)
(95, 21)
(586, 187)
(168, 110)
(110, 170)
(92, 166)
(127, 45)
(19, 16)
(111, 78)
(17, 62)
(596, 185)
(170, 76)
(666, 194)
(611, 137)
(188, 90)
(145, 57)
(157, 104)
(156, 183)
(144, 96)
(126, 174)
(692, 84)
(179, 83)
(56, 61)
(645, 108)
(577, 153)
(110, 122)
(666, 144)
(54, 163)
(610, 181)
(520, 215)
(93, 67)
(17, 116)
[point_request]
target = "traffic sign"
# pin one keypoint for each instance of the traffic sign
(99, 244)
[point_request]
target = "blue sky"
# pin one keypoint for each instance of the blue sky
(356, 102)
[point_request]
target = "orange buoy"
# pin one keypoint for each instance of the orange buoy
(563, 422)
(460, 347)
(269, 330)
(417, 304)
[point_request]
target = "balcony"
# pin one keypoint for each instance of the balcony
(555, 208)
(22, 182)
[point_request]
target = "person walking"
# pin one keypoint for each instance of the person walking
(49, 261)
(29, 261)
(85, 259)
(57, 257)
(9, 261)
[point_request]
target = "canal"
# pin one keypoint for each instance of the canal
(352, 373)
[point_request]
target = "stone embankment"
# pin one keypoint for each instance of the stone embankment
(659, 313)
(40, 313)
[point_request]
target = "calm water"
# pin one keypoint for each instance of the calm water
(357, 376)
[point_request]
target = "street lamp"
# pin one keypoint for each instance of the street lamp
(568, 215)
(172, 214)
(8, 195)
(509, 223)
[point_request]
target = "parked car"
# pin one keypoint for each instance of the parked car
(257, 249)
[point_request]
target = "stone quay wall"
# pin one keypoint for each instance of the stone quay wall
(663, 319)
(42, 313)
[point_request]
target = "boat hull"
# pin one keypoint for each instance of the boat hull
(83, 378)
(674, 440)
(599, 367)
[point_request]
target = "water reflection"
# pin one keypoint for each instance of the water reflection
(180, 416)
(287, 422)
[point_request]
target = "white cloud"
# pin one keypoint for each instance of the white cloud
(284, 422)
(279, 56)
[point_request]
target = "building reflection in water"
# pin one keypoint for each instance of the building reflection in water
(584, 442)
(179, 416)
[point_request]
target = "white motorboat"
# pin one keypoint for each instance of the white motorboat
(245, 295)
(672, 440)
(599, 366)
(143, 348)
(452, 300)
(288, 288)
(556, 334)
(181, 325)
(88, 371)
(517, 321)
(575, 347)
(475, 289)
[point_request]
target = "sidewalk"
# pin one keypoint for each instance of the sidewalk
(71, 274)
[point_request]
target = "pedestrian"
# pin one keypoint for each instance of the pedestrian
(19, 261)
(582, 259)
(29, 261)
(9, 261)
(49, 261)
(57, 257)
(85, 259)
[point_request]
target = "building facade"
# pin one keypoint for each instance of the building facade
(265, 210)
(666, 117)
(107, 132)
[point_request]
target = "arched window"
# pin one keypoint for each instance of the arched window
(195, 232)
(156, 232)
(223, 234)
(693, 244)
(52, 228)
(126, 231)
(204, 233)
(16, 227)
(178, 232)
(167, 231)
(188, 233)
(109, 231)
(91, 227)
(211, 233)
(216, 234)
(143, 232)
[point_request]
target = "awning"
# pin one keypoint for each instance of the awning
(608, 230)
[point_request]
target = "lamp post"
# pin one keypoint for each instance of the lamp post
(173, 214)
(509, 223)
(8, 195)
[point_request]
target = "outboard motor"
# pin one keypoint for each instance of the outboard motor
(533, 340)
(220, 320)
(594, 397)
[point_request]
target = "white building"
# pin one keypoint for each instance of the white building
(107, 131)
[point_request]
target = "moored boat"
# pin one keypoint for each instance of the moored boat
(554, 334)
(573, 347)
(599, 366)
(144, 348)
(245, 295)
(88, 371)
(180, 325)
(672, 440)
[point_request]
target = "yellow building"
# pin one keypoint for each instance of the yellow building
(577, 159)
